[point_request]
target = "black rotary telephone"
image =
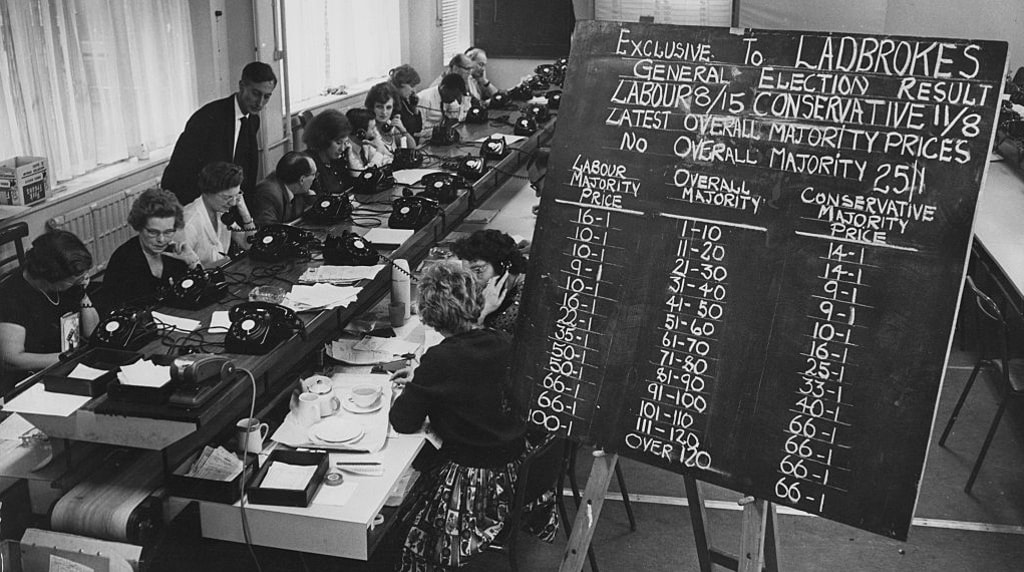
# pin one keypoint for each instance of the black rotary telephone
(476, 113)
(445, 133)
(373, 180)
(494, 147)
(349, 249)
(412, 212)
(125, 328)
(407, 159)
(257, 327)
(442, 187)
(329, 209)
(194, 289)
(280, 241)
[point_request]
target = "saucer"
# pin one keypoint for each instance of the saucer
(336, 431)
(351, 406)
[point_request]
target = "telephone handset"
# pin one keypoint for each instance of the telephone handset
(329, 209)
(125, 328)
(257, 327)
(280, 241)
(232, 217)
(442, 187)
(373, 180)
(349, 249)
(412, 212)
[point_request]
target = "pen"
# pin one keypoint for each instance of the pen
(357, 463)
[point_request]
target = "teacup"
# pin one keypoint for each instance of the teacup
(365, 394)
(307, 409)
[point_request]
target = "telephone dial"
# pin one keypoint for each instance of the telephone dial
(554, 99)
(525, 126)
(538, 111)
(494, 147)
(194, 289)
(412, 212)
(476, 113)
(373, 180)
(280, 241)
(407, 159)
(499, 100)
(471, 168)
(126, 328)
(329, 209)
(257, 327)
(442, 187)
(349, 249)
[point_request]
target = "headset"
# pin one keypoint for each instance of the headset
(412, 212)
(194, 289)
(329, 209)
(359, 134)
(257, 327)
(373, 180)
(280, 241)
(124, 329)
(349, 249)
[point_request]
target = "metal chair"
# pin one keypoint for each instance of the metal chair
(1011, 373)
(12, 234)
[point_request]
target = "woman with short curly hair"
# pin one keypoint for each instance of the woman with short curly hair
(460, 505)
(154, 256)
(326, 140)
(500, 271)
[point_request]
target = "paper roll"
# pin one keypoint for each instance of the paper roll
(400, 285)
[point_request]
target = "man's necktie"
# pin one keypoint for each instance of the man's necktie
(242, 146)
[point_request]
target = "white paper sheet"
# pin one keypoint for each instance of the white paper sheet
(388, 236)
(219, 321)
(145, 374)
(183, 324)
(319, 296)
(287, 476)
(339, 275)
(83, 371)
(393, 347)
(14, 427)
(412, 176)
(508, 137)
(41, 402)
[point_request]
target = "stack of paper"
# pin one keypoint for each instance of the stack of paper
(144, 373)
(83, 371)
(339, 274)
(318, 296)
(215, 465)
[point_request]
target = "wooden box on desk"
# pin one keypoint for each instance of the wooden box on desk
(179, 484)
(287, 497)
(57, 378)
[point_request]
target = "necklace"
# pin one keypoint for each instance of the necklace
(47, 296)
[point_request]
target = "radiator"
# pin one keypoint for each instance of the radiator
(103, 225)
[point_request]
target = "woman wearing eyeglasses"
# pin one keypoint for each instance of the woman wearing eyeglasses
(37, 303)
(157, 253)
(499, 269)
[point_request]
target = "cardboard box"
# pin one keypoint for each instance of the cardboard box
(23, 181)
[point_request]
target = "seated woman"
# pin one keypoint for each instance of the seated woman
(380, 101)
(403, 81)
(50, 289)
(206, 233)
(149, 259)
(499, 269)
(459, 506)
(365, 147)
(326, 140)
(285, 193)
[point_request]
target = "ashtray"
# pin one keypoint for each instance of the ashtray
(271, 294)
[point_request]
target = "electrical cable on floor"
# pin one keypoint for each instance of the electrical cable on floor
(241, 482)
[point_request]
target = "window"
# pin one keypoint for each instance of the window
(455, 24)
(339, 43)
(680, 12)
(89, 82)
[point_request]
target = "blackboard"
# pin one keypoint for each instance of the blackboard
(523, 28)
(749, 255)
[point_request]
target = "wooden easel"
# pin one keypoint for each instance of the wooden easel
(759, 547)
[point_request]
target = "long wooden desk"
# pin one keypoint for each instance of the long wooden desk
(999, 229)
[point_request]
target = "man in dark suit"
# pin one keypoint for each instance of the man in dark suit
(284, 194)
(222, 130)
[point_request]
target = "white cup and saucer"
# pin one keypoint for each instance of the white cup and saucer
(364, 398)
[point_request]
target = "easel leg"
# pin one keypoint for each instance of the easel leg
(589, 512)
(758, 543)
(698, 520)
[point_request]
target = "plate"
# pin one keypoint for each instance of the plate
(350, 405)
(336, 431)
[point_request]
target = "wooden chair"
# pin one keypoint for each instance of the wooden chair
(1011, 372)
(542, 470)
(12, 234)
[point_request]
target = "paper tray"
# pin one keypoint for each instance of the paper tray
(226, 492)
(57, 380)
(288, 497)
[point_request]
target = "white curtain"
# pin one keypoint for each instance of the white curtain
(86, 82)
(336, 43)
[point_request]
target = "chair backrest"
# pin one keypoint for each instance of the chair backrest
(990, 311)
(540, 472)
(12, 235)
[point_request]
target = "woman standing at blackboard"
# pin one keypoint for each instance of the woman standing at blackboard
(499, 269)
(460, 505)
